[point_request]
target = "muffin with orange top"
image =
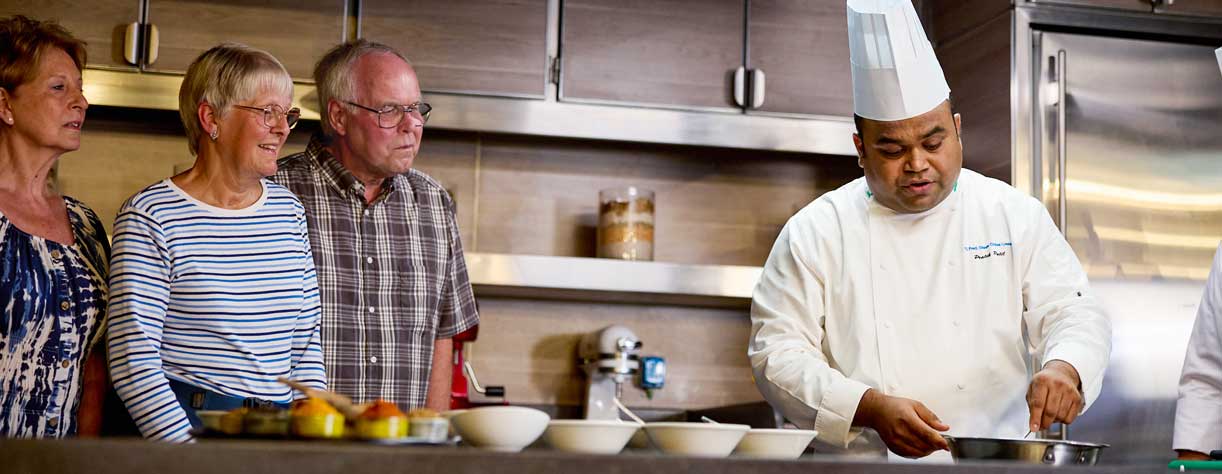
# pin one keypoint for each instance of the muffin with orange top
(315, 418)
(382, 420)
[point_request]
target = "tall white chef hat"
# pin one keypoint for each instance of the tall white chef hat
(1218, 52)
(895, 72)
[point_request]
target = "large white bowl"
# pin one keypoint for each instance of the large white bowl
(505, 428)
(696, 439)
(774, 443)
(590, 436)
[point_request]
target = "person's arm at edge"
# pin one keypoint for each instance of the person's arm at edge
(1198, 410)
(93, 393)
(441, 376)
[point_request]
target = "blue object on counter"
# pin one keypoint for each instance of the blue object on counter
(653, 372)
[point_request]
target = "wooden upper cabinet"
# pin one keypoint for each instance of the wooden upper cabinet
(665, 52)
(297, 32)
(1191, 7)
(1134, 5)
(100, 23)
(802, 47)
(945, 20)
(496, 47)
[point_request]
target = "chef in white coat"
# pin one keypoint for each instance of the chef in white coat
(913, 301)
(1198, 412)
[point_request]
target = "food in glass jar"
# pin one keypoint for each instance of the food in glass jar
(428, 424)
(315, 418)
(626, 223)
(382, 420)
(231, 422)
(266, 421)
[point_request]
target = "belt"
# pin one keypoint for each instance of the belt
(194, 398)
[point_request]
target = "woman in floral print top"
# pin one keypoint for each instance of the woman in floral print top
(53, 249)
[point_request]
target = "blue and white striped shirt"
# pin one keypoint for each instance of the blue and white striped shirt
(225, 300)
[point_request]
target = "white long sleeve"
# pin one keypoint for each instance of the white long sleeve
(1198, 412)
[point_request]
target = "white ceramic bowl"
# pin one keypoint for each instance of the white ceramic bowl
(640, 440)
(504, 428)
(774, 443)
(590, 436)
(696, 439)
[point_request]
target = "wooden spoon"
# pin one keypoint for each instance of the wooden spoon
(340, 402)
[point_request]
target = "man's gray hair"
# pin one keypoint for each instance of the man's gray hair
(333, 75)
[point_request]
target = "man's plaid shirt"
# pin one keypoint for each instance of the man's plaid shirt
(391, 274)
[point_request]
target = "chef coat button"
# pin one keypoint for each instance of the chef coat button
(53, 422)
(887, 324)
(65, 364)
(959, 386)
(950, 262)
(373, 360)
(64, 305)
(891, 388)
(372, 310)
(882, 267)
(955, 323)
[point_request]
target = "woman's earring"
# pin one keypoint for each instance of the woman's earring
(215, 133)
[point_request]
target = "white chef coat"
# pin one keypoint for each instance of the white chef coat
(930, 306)
(1198, 412)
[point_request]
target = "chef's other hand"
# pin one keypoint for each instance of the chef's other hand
(1054, 396)
(909, 429)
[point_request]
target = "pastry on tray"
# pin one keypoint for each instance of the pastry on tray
(382, 420)
(315, 418)
(427, 424)
(269, 422)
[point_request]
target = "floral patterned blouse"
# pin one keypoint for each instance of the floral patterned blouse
(52, 309)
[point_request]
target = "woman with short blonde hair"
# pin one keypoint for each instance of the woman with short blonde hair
(215, 295)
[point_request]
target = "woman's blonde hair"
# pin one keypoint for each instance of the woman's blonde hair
(225, 75)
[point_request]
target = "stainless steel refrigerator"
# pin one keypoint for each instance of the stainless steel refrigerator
(1124, 141)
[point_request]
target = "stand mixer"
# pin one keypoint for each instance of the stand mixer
(609, 357)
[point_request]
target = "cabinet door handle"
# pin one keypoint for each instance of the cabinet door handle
(131, 43)
(758, 82)
(154, 42)
(1062, 138)
(740, 76)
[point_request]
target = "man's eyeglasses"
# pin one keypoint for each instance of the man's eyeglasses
(392, 115)
(272, 113)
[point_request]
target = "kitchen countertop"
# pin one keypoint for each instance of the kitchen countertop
(133, 456)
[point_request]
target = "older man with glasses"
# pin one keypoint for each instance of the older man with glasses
(390, 264)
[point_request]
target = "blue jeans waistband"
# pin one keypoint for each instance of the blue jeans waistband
(194, 399)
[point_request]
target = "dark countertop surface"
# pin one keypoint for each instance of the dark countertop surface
(134, 456)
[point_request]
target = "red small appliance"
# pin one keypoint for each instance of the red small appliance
(463, 378)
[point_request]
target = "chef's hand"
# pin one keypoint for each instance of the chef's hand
(1189, 455)
(909, 429)
(1054, 395)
